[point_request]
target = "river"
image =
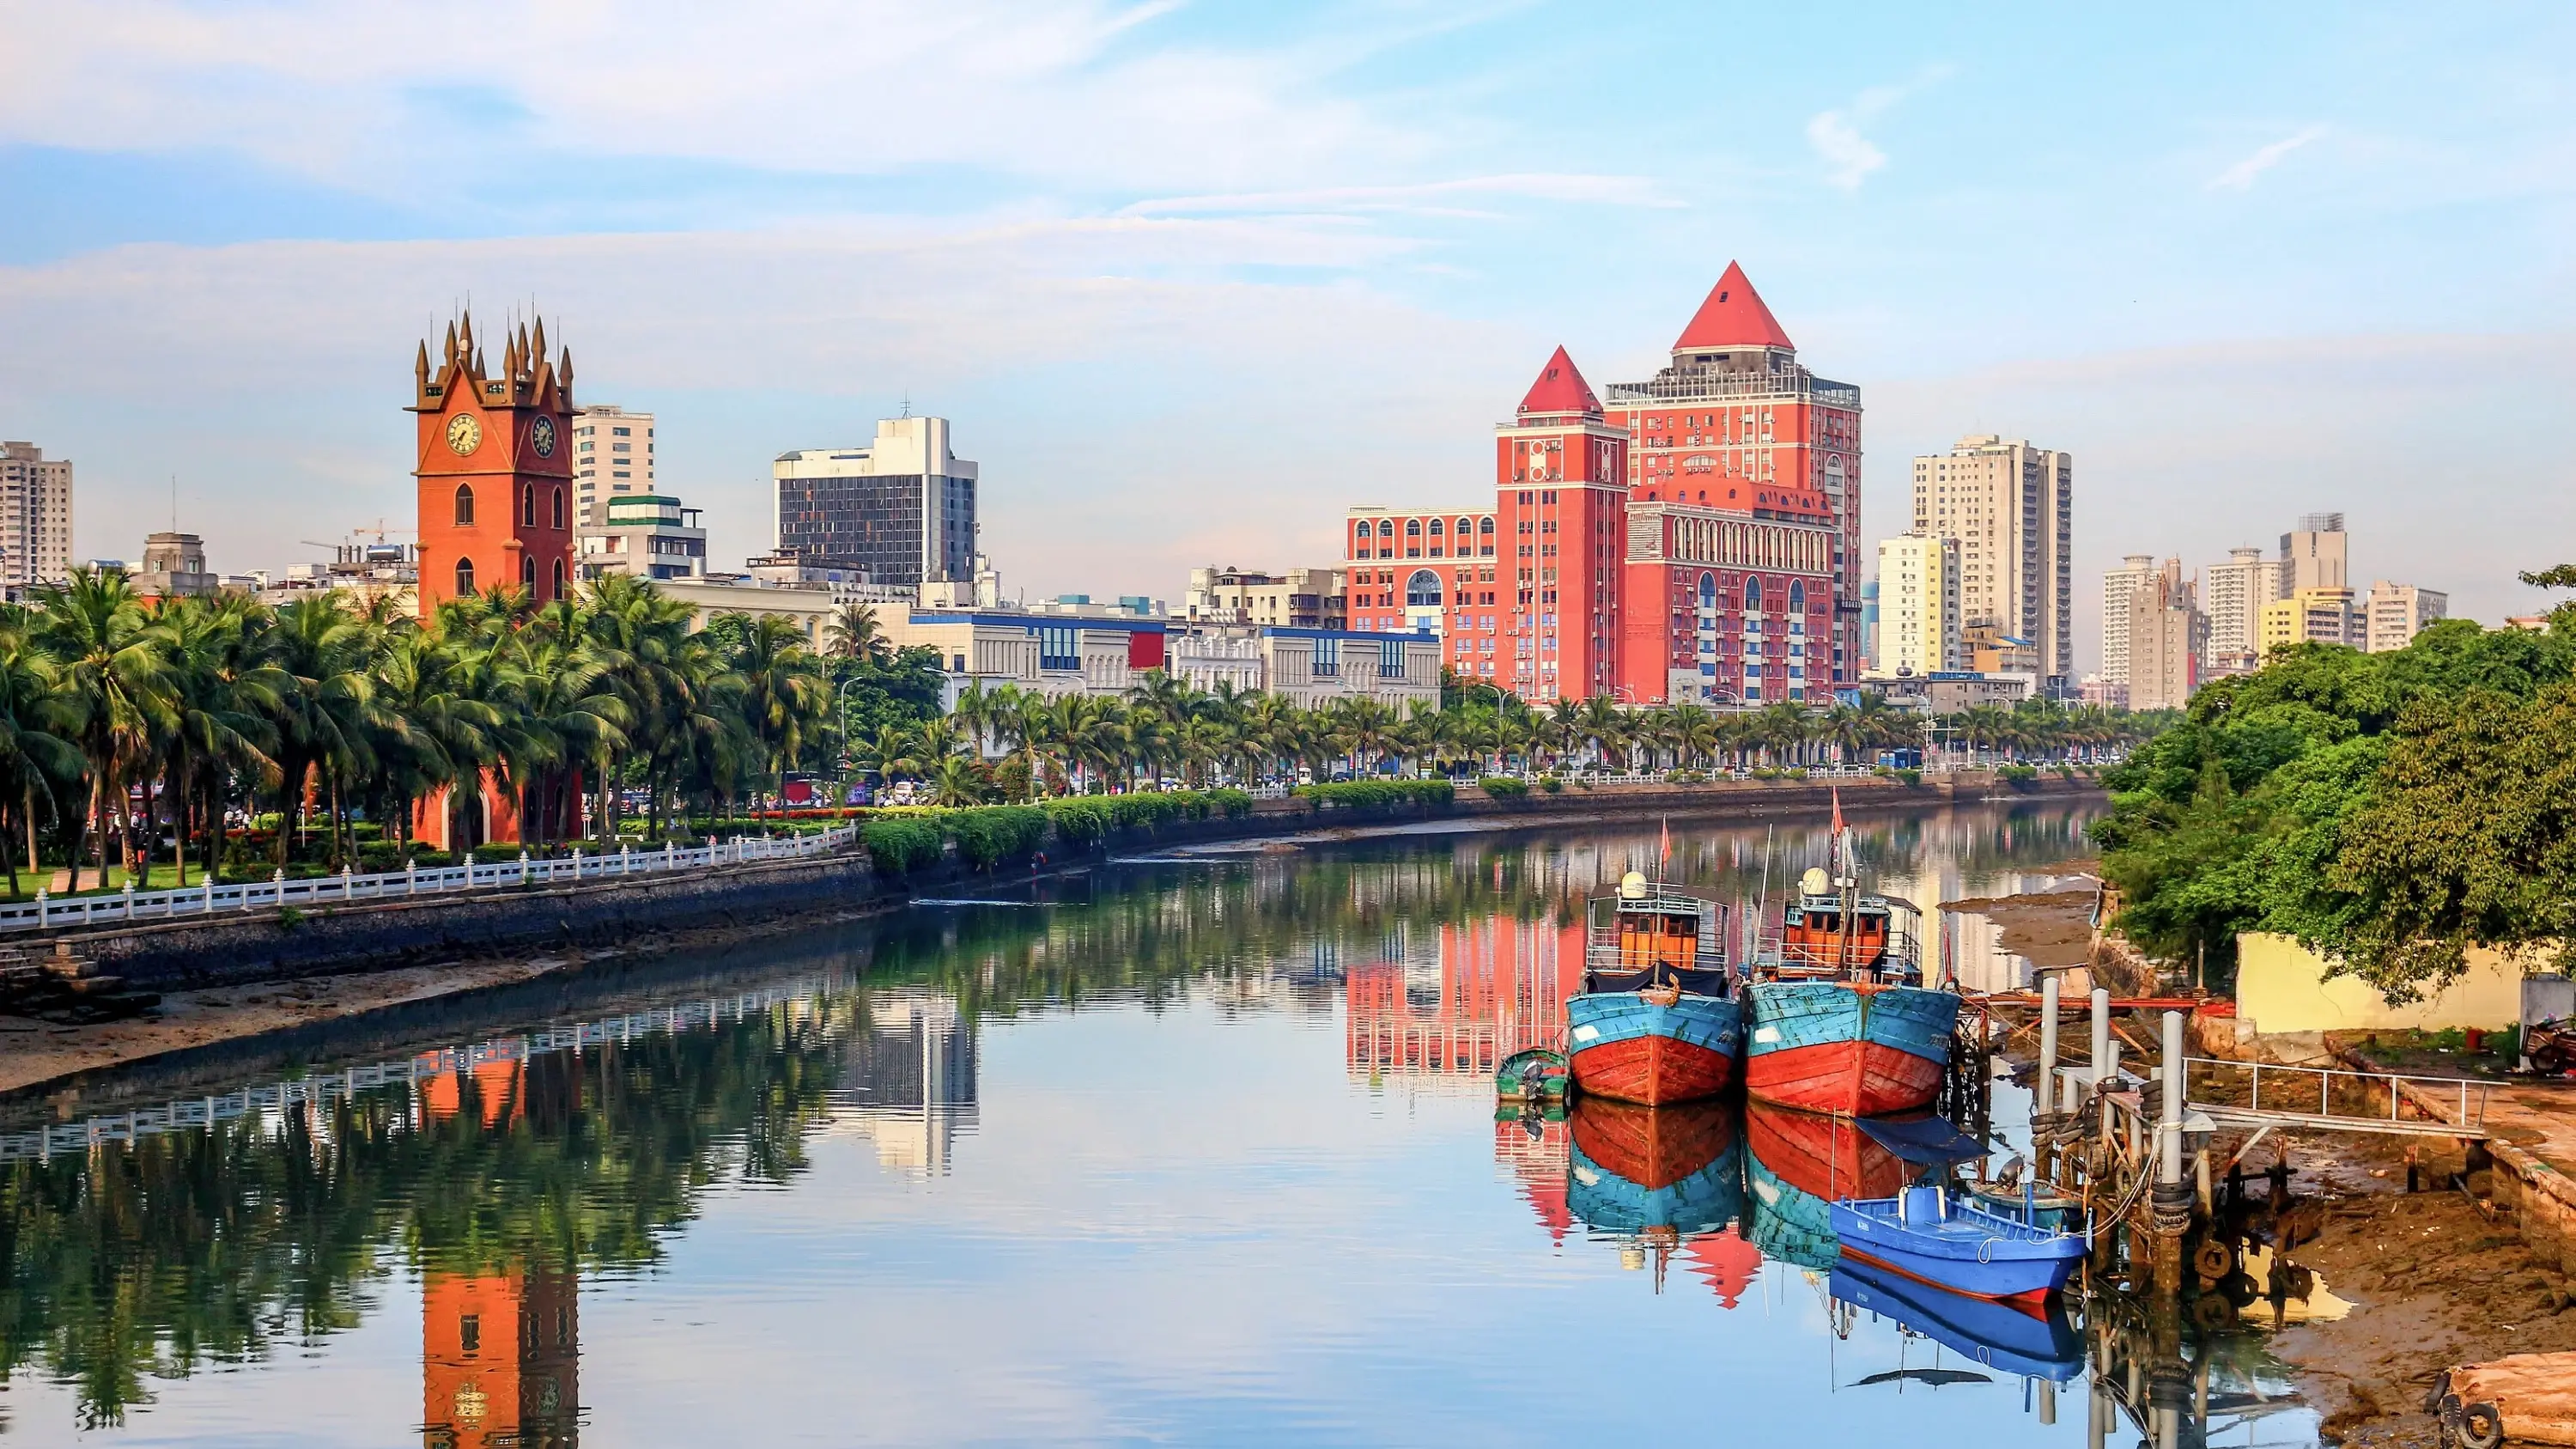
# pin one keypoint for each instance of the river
(1196, 1150)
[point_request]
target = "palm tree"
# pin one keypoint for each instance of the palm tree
(320, 710)
(111, 679)
(34, 713)
(780, 692)
(855, 634)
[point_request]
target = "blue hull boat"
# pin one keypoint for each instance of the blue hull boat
(2006, 1337)
(1926, 1234)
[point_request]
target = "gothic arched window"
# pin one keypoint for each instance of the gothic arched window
(464, 504)
(465, 567)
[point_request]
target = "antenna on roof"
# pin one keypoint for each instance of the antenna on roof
(907, 402)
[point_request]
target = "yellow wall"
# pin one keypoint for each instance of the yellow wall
(2281, 986)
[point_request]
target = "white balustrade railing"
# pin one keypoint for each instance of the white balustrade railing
(47, 913)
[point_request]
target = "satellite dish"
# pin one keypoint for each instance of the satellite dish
(1815, 882)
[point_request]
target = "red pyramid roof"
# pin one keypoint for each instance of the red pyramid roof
(1560, 389)
(1733, 316)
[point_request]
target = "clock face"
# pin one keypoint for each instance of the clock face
(543, 436)
(464, 434)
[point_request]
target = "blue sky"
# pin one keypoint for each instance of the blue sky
(1190, 278)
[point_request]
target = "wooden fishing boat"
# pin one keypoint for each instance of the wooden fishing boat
(1837, 1019)
(2032, 1340)
(1635, 1169)
(1926, 1234)
(1656, 1020)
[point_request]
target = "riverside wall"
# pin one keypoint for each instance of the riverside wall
(240, 949)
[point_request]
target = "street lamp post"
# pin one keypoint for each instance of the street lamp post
(841, 702)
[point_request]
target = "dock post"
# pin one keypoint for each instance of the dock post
(2101, 1037)
(2173, 1197)
(2049, 990)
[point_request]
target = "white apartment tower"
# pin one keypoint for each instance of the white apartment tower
(2234, 594)
(2012, 509)
(2117, 587)
(1918, 605)
(35, 517)
(612, 453)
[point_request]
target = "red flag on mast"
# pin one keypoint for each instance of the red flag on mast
(1667, 846)
(1838, 810)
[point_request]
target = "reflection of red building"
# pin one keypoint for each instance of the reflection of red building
(1534, 1149)
(1502, 989)
(499, 1360)
(1725, 1262)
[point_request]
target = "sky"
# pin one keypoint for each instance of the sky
(1192, 278)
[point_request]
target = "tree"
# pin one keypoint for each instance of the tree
(112, 684)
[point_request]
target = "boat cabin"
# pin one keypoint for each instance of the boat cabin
(1841, 934)
(1648, 935)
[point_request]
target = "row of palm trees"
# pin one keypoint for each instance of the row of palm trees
(121, 716)
(1166, 728)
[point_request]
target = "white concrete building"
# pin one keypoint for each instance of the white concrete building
(612, 453)
(2117, 586)
(1918, 605)
(646, 534)
(2396, 613)
(2233, 594)
(35, 517)
(2012, 508)
(2316, 554)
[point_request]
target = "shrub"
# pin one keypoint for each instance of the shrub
(901, 843)
(1684, 777)
(1361, 794)
(1551, 784)
(1910, 777)
(1504, 787)
(488, 854)
(987, 835)
(1230, 804)
(2066, 772)
(1080, 822)
(2016, 774)
(429, 860)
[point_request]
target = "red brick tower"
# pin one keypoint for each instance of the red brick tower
(1561, 493)
(495, 471)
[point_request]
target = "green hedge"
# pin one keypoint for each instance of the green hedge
(2018, 774)
(1551, 784)
(987, 835)
(1504, 787)
(1356, 794)
(901, 843)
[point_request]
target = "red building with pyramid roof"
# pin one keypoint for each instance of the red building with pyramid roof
(1693, 539)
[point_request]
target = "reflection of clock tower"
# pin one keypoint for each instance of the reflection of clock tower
(495, 471)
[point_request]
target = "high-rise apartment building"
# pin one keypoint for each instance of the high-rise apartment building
(612, 453)
(1918, 605)
(2394, 614)
(2117, 586)
(2314, 556)
(2011, 507)
(902, 508)
(2166, 628)
(35, 517)
(1737, 424)
(2235, 594)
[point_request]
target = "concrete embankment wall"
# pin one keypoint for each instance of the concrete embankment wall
(224, 950)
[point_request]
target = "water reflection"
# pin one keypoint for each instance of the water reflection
(1199, 1154)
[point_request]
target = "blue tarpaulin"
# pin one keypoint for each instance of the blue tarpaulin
(1928, 1141)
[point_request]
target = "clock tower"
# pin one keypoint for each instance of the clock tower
(495, 468)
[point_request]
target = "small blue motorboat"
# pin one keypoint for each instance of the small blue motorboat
(1927, 1234)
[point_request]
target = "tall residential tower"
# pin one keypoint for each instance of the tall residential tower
(2011, 507)
(35, 517)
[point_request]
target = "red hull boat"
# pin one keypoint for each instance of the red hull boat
(1825, 1157)
(1855, 1078)
(1652, 1147)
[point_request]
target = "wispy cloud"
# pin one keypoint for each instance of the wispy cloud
(1835, 136)
(2241, 176)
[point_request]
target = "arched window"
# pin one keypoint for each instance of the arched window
(465, 566)
(559, 513)
(1437, 526)
(528, 573)
(1413, 527)
(1753, 596)
(1486, 526)
(464, 507)
(528, 506)
(1386, 528)
(1797, 596)
(1708, 591)
(559, 579)
(1422, 590)
(1466, 526)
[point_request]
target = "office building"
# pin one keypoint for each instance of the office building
(2313, 554)
(2394, 614)
(174, 566)
(2011, 507)
(2314, 616)
(1918, 605)
(2118, 585)
(648, 535)
(612, 453)
(1677, 545)
(2166, 629)
(35, 518)
(1985, 649)
(902, 508)
(1869, 623)
(2234, 594)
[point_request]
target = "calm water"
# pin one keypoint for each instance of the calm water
(1193, 1151)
